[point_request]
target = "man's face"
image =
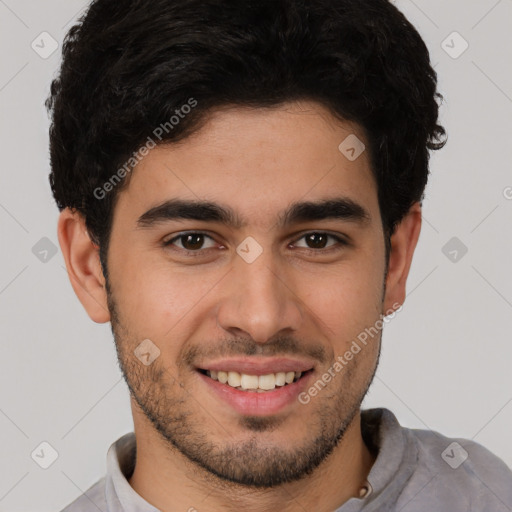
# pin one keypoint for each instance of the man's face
(271, 296)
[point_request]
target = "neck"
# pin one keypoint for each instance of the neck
(170, 482)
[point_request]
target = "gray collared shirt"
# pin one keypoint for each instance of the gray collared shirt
(415, 471)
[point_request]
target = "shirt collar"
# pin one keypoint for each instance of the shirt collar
(396, 459)
(119, 494)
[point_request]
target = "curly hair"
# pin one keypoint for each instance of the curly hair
(129, 65)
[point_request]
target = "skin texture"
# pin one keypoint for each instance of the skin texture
(194, 449)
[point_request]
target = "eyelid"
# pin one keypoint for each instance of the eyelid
(169, 241)
(340, 239)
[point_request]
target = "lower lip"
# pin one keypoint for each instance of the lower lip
(252, 403)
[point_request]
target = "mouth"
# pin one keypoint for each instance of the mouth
(255, 383)
(257, 386)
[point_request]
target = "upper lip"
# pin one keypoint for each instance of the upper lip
(258, 365)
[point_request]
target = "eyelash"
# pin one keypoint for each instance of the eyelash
(200, 252)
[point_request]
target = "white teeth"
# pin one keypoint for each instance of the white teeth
(267, 381)
(234, 379)
(248, 381)
(280, 379)
(257, 383)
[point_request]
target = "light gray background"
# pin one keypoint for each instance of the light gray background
(446, 357)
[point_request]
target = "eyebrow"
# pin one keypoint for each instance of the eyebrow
(341, 208)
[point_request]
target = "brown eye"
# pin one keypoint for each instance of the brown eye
(316, 240)
(190, 241)
(319, 240)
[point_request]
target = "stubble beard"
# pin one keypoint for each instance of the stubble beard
(249, 463)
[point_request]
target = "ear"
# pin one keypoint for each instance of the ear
(403, 243)
(83, 265)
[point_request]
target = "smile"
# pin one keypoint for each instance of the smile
(254, 383)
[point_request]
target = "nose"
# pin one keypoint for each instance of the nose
(259, 300)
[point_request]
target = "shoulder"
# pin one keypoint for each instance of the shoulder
(91, 500)
(463, 469)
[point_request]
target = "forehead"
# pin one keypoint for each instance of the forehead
(257, 161)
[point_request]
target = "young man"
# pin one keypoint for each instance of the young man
(240, 185)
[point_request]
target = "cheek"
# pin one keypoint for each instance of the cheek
(155, 299)
(162, 301)
(346, 300)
